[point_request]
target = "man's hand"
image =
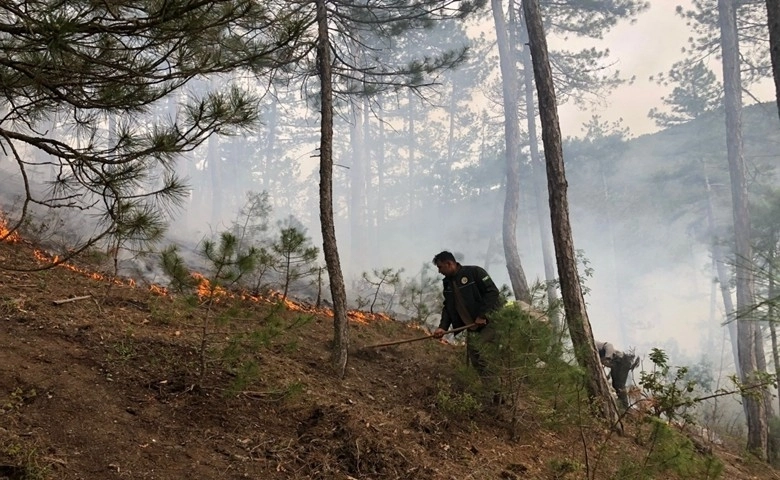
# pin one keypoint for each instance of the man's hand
(479, 322)
(439, 332)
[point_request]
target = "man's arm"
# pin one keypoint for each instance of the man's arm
(489, 291)
(444, 323)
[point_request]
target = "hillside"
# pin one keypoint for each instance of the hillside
(106, 387)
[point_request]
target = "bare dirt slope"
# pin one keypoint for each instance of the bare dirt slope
(107, 387)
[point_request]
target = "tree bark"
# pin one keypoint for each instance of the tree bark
(329, 246)
(773, 20)
(746, 325)
(510, 85)
(411, 132)
(571, 289)
(357, 205)
(539, 180)
(721, 271)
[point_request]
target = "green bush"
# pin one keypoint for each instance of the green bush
(527, 358)
(669, 451)
(456, 405)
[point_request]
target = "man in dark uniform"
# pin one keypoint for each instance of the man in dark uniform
(469, 297)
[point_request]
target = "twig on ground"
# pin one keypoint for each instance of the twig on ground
(72, 299)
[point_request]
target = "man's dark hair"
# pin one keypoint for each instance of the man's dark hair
(444, 257)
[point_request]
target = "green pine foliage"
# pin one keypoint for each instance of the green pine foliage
(529, 369)
(104, 70)
(295, 253)
(421, 295)
(669, 451)
(382, 285)
(226, 263)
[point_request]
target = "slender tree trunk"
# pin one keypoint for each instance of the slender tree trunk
(771, 294)
(775, 353)
(539, 181)
(329, 246)
(721, 271)
(412, 150)
(746, 325)
(357, 203)
(571, 289)
(380, 178)
(510, 85)
(609, 230)
(446, 175)
(371, 235)
(773, 20)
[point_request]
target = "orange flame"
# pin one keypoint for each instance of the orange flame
(204, 288)
(44, 257)
(365, 318)
(5, 234)
(158, 290)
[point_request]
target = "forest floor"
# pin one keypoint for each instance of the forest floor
(109, 387)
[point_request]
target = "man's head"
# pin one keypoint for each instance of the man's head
(446, 263)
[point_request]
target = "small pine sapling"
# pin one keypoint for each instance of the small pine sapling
(264, 261)
(227, 263)
(250, 228)
(318, 284)
(296, 255)
(379, 282)
(136, 228)
(421, 296)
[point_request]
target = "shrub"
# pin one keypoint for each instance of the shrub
(456, 405)
(669, 451)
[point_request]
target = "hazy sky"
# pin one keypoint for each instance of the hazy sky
(643, 49)
(663, 308)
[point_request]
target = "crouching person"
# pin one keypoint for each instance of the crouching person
(620, 364)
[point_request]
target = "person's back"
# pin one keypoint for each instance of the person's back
(620, 365)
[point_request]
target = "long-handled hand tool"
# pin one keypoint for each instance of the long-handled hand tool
(398, 342)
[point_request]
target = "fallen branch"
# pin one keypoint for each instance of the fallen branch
(72, 299)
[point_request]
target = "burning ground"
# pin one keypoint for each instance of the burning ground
(99, 380)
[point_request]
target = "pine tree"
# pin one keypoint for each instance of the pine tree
(346, 63)
(99, 71)
(296, 256)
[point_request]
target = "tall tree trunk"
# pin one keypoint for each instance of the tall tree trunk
(773, 19)
(609, 230)
(746, 325)
(357, 202)
(720, 270)
(445, 199)
(510, 85)
(723, 276)
(380, 178)
(571, 289)
(412, 150)
(539, 180)
(329, 246)
(772, 325)
(370, 220)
